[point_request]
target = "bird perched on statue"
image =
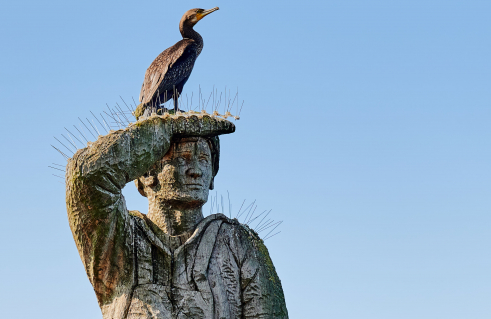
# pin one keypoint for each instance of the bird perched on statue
(166, 76)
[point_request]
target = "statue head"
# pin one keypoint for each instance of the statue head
(184, 176)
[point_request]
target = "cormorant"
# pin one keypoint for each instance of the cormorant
(168, 73)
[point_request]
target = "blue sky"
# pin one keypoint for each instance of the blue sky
(365, 128)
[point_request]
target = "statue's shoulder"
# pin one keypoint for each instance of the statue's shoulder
(232, 225)
(246, 243)
(142, 223)
(139, 219)
(241, 236)
(136, 214)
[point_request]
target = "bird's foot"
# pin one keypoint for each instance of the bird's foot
(164, 110)
(176, 111)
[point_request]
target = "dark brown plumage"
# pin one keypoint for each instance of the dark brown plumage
(166, 76)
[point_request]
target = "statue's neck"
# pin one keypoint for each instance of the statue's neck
(172, 220)
(188, 32)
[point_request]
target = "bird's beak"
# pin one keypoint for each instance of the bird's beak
(201, 15)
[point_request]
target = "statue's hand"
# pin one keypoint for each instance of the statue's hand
(200, 125)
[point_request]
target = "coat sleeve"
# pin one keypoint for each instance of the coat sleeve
(262, 294)
(97, 214)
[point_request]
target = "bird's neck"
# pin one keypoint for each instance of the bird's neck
(188, 32)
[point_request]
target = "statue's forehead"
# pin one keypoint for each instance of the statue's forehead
(190, 144)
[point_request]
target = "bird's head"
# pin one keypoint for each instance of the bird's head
(191, 17)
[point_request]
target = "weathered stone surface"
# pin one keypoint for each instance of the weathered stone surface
(171, 262)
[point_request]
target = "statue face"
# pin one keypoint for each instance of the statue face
(184, 175)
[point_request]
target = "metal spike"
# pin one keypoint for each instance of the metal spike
(87, 128)
(232, 105)
(273, 229)
(217, 203)
(112, 115)
(223, 213)
(56, 168)
(219, 101)
(81, 134)
(276, 223)
(180, 97)
(257, 226)
(253, 212)
(63, 145)
(64, 155)
(238, 216)
(229, 205)
(70, 133)
(70, 142)
(240, 111)
(191, 105)
(208, 101)
(99, 122)
(107, 126)
(121, 121)
(165, 98)
(240, 208)
(75, 144)
(271, 236)
(266, 223)
(95, 125)
(199, 98)
(250, 209)
(122, 113)
(211, 204)
(213, 106)
(126, 104)
(93, 128)
(257, 217)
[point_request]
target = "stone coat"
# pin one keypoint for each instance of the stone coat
(221, 270)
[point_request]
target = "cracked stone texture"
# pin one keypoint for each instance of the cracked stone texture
(220, 269)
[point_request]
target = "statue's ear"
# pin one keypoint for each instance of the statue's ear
(212, 184)
(143, 182)
(140, 187)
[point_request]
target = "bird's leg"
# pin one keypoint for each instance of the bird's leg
(175, 96)
(175, 104)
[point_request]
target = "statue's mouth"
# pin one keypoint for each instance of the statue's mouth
(194, 185)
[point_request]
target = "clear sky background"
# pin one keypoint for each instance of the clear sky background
(366, 128)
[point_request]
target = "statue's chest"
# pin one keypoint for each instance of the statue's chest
(172, 283)
(153, 264)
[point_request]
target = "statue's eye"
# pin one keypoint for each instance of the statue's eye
(204, 160)
(181, 160)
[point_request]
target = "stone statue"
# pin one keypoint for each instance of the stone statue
(171, 262)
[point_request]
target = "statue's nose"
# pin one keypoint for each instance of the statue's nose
(194, 172)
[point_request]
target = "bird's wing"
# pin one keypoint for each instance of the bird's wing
(162, 71)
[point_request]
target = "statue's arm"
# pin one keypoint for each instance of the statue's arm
(262, 293)
(96, 208)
